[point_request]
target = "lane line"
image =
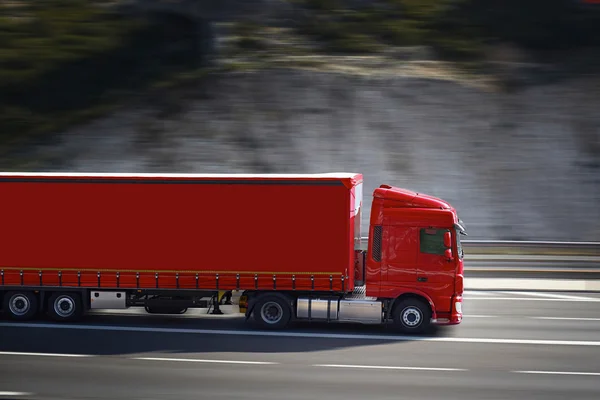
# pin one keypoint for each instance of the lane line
(11, 394)
(558, 373)
(394, 338)
(589, 300)
(548, 295)
(565, 318)
(20, 353)
(387, 367)
(477, 293)
(195, 360)
(583, 319)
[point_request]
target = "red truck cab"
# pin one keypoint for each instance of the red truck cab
(414, 250)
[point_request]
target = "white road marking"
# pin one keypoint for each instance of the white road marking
(19, 353)
(387, 367)
(203, 361)
(558, 373)
(396, 338)
(549, 295)
(477, 293)
(566, 318)
(588, 300)
(11, 394)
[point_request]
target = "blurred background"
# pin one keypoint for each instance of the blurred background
(489, 104)
(492, 105)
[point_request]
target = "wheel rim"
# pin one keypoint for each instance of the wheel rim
(64, 306)
(19, 305)
(412, 317)
(271, 312)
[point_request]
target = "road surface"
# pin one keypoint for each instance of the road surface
(511, 345)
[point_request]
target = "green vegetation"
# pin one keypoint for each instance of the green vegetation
(455, 28)
(377, 23)
(64, 61)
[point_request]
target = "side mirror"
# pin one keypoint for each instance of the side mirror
(447, 240)
(448, 254)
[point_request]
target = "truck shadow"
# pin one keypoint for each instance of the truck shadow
(109, 335)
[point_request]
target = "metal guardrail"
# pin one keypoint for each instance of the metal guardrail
(515, 247)
(548, 248)
(532, 243)
(526, 243)
(531, 259)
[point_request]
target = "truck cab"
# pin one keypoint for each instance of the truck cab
(415, 257)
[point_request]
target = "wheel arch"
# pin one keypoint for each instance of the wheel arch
(255, 296)
(414, 295)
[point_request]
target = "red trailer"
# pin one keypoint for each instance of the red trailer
(290, 243)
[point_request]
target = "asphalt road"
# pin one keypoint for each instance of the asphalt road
(510, 345)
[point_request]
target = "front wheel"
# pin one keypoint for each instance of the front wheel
(272, 312)
(412, 316)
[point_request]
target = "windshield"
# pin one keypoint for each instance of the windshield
(459, 248)
(460, 230)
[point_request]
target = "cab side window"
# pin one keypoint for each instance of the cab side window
(431, 241)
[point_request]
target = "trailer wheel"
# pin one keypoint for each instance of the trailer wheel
(20, 306)
(412, 315)
(65, 306)
(272, 312)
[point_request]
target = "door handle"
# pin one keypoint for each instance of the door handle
(422, 279)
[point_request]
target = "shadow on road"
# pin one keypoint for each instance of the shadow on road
(232, 335)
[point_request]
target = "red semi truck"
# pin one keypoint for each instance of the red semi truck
(291, 244)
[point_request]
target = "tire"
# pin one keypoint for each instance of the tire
(412, 316)
(65, 306)
(272, 312)
(20, 306)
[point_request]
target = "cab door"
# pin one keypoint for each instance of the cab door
(399, 257)
(435, 272)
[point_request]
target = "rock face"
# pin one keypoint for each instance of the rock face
(523, 165)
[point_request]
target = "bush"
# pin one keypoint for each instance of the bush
(66, 58)
(456, 28)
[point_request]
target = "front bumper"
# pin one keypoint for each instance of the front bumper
(452, 318)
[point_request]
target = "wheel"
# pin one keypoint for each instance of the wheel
(65, 306)
(412, 315)
(20, 306)
(272, 312)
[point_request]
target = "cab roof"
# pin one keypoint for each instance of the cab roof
(408, 198)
